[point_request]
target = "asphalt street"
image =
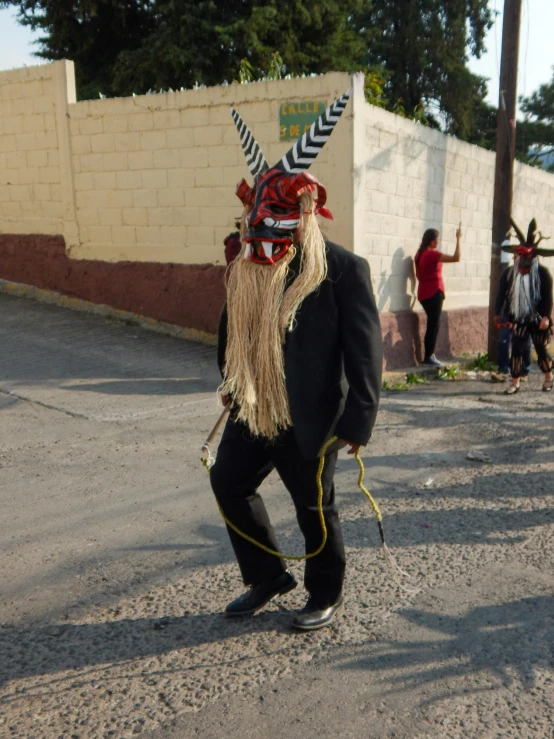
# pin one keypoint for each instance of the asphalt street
(115, 566)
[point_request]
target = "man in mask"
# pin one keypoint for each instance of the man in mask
(505, 331)
(299, 311)
(525, 295)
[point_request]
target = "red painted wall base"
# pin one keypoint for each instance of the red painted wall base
(192, 296)
(187, 295)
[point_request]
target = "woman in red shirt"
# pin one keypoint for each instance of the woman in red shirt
(430, 291)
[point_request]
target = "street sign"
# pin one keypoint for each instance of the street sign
(296, 118)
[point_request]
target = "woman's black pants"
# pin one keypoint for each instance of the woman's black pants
(433, 309)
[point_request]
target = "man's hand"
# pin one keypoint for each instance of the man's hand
(545, 323)
(339, 444)
(498, 323)
(354, 448)
(225, 400)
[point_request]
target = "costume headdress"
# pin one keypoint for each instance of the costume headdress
(273, 202)
(528, 246)
(525, 291)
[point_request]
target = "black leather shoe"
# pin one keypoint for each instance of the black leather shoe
(313, 616)
(259, 595)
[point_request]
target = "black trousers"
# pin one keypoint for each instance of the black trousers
(243, 462)
(433, 309)
(520, 340)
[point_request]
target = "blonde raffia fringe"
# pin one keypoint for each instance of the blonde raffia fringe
(260, 311)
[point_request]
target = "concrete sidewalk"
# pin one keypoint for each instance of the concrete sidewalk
(115, 565)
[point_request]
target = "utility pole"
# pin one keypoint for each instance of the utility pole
(505, 152)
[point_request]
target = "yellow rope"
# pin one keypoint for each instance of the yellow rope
(366, 492)
(206, 461)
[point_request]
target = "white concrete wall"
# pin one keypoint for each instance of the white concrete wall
(155, 176)
(534, 197)
(36, 179)
(408, 178)
(152, 178)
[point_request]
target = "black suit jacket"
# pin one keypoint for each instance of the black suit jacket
(502, 304)
(337, 333)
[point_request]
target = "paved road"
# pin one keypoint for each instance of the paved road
(115, 566)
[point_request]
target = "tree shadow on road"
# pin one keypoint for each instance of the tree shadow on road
(496, 518)
(510, 640)
(483, 487)
(46, 650)
(427, 407)
(457, 526)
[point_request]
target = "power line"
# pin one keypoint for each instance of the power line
(528, 18)
(496, 42)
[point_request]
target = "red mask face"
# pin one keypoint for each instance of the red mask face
(274, 212)
(273, 204)
(525, 255)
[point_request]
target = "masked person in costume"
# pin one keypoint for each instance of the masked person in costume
(299, 311)
(525, 295)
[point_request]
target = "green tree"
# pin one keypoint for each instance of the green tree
(190, 43)
(90, 32)
(540, 104)
(313, 36)
(423, 47)
(125, 46)
(417, 50)
(535, 134)
(483, 129)
(204, 42)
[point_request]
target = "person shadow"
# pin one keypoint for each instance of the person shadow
(397, 295)
(47, 651)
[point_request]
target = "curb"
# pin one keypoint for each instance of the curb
(399, 375)
(20, 290)
(429, 373)
(50, 297)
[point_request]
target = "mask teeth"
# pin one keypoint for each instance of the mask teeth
(247, 252)
(268, 249)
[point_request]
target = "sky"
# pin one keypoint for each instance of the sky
(15, 42)
(536, 52)
(536, 48)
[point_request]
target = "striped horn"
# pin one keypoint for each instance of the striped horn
(254, 155)
(304, 152)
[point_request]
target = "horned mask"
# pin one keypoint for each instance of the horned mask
(527, 250)
(273, 206)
